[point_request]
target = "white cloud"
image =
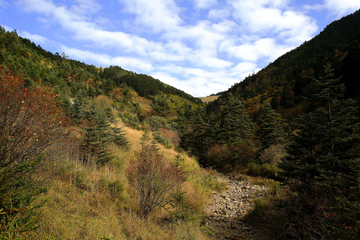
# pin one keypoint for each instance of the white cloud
(204, 4)
(88, 31)
(266, 16)
(216, 14)
(156, 14)
(85, 7)
(265, 48)
(129, 63)
(342, 7)
(34, 37)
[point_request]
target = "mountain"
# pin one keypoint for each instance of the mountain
(284, 82)
(35, 63)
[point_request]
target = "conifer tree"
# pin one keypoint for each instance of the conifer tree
(97, 137)
(272, 127)
(235, 124)
(324, 154)
(78, 110)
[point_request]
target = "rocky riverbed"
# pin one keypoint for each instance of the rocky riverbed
(227, 209)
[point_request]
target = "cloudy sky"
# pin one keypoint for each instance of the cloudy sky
(199, 46)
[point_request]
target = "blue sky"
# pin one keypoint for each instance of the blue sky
(199, 46)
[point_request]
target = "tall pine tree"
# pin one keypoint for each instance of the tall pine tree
(272, 127)
(324, 160)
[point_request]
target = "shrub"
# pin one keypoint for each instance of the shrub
(263, 170)
(130, 120)
(153, 178)
(31, 123)
(157, 122)
(217, 154)
(273, 154)
(167, 137)
(30, 119)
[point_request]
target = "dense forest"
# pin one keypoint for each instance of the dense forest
(295, 124)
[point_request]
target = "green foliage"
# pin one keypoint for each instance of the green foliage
(97, 135)
(324, 154)
(157, 122)
(18, 188)
(235, 124)
(161, 106)
(263, 170)
(119, 137)
(105, 237)
(130, 120)
(271, 127)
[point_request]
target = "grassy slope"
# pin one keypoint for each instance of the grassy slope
(209, 99)
(86, 201)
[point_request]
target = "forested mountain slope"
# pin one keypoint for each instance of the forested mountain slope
(285, 81)
(80, 146)
(37, 64)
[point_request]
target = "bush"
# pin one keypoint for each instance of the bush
(263, 170)
(130, 120)
(31, 123)
(30, 119)
(273, 154)
(157, 122)
(153, 178)
(297, 217)
(167, 137)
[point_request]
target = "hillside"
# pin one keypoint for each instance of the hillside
(20, 54)
(284, 82)
(75, 140)
(209, 98)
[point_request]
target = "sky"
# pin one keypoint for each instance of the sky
(199, 46)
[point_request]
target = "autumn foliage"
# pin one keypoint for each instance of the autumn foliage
(30, 120)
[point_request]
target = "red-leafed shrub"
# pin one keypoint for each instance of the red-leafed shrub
(30, 120)
(31, 124)
(153, 178)
(168, 137)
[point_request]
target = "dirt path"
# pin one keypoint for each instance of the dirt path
(228, 208)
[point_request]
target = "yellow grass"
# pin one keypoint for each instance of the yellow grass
(88, 201)
(209, 98)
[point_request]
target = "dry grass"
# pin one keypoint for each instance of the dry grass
(209, 98)
(88, 201)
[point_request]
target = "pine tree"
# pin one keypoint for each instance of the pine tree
(235, 124)
(97, 136)
(119, 137)
(272, 127)
(78, 111)
(324, 154)
(236, 132)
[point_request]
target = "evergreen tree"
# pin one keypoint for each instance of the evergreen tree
(324, 154)
(235, 123)
(78, 110)
(119, 137)
(272, 127)
(97, 137)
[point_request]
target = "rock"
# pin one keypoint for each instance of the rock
(227, 209)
